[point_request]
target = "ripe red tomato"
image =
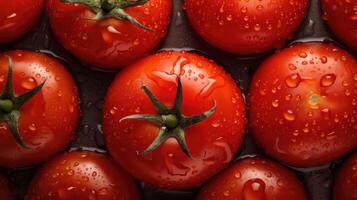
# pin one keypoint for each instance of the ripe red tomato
(210, 144)
(17, 17)
(82, 175)
(48, 120)
(303, 104)
(109, 43)
(246, 27)
(254, 179)
(346, 181)
(341, 16)
(5, 192)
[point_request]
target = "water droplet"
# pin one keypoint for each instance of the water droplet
(254, 189)
(237, 175)
(302, 54)
(216, 124)
(292, 67)
(323, 59)
(288, 97)
(226, 149)
(275, 103)
(314, 101)
(32, 127)
(226, 193)
(113, 110)
(29, 83)
(212, 84)
(293, 81)
(174, 167)
(289, 115)
(328, 80)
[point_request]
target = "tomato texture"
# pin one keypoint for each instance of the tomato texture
(211, 143)
(82, 175)
(109, 43)
(5, 192)
(303, 104)
(48, 120)
(254, 179)
(341, 16)
(346, 181)
(246, 27)
(17, 17)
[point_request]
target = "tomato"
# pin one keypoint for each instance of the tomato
(82, 175)
(341, 16)
(346, 181)
(246, 27)
(5, 192)
(46, 121)
(17, 17)
(303, 104)
(254, 179)
(109, 43)
(199, 133)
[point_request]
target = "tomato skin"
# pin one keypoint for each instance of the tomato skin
(111, 43)
(17, 17)
(49, 119)
(212, 142)
(296, 113)
(82, 175)
(254, 179)
(246, 27)
(346, 181)
(341, 17)
(5, 192)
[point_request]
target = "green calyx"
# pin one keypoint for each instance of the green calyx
(112, 9)
(10, 105)
(171, 121)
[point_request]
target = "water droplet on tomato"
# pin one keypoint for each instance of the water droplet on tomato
(212, 84)
(32, 127)
(226, 149)
(174, 167)
(302, 54)
(289, 115)
(254, 189)
(328, 80)
(275, 103)
(28, 83)
(292, 66)
(293, 81)
(323, 59)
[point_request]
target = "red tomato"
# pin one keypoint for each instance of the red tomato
(303, 104)
(109, 43)
(17, 17)
(82, 175)
(5, 192)
(341, 16)
(346, 181)
(254, 179)
(211, 144)
(246, 27)
(48, 120)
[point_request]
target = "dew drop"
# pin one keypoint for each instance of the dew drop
(293, 81)
(29, 83)
(289, 115)
(328, 80)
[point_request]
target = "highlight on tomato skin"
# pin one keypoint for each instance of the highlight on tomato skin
(109, 42)
(17, 17)
(82, 175)
(341, 16)
(39, 111)
(246, 27)
(254, 179)
(346, 180)
(165, 147)
(303, 104)
(5, 191)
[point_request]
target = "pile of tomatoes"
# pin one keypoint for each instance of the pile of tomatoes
(175, 119)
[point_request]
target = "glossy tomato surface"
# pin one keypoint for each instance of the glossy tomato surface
(254, 179)
(109, 43)
(5, 192)
(212, 143)
(246, 27)
(303, 104)
(341, 16)
(82, 175)
(346, 181)
(48, 120)
(17, 17)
